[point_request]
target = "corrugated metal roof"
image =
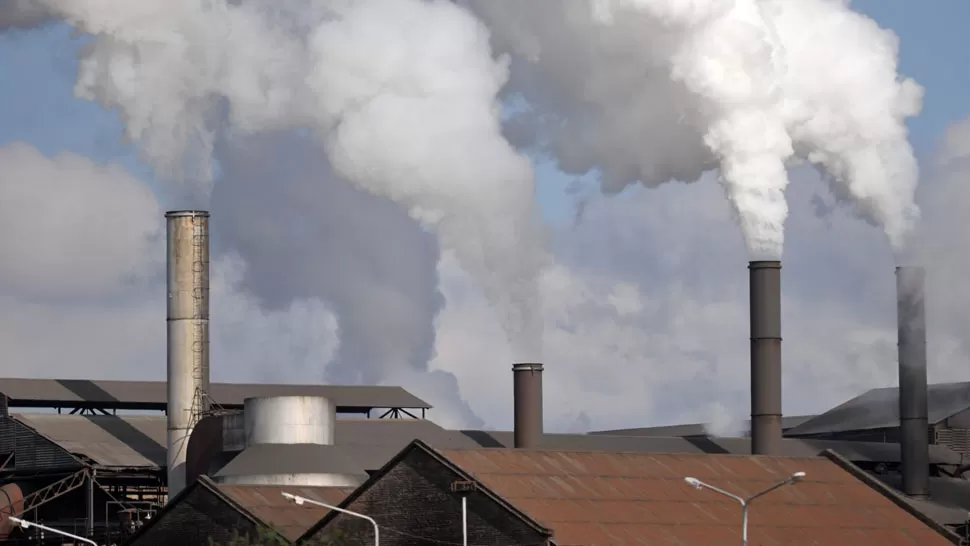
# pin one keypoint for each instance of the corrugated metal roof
(879, 408)
(266, 503)
(949, 498)
(629, 498)
(153, 394)
(271, 459)
(108, 440)
(791, 447)
(693, 429)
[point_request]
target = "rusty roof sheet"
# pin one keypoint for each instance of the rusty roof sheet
(266, 503)
(790, 447)
(621, 499)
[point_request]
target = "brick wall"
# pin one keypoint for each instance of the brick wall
(413, 505)
(194, 520)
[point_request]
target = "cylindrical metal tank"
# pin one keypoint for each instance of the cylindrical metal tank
(289, 420)
(11, 503)
(188, 334)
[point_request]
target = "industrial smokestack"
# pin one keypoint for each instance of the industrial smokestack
(765, 357)
(528, 405)
(188, 334)
(913, 426)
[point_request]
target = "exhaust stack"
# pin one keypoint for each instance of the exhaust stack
(913, 424)
(765, 309)
(528, 405)
(188, 334)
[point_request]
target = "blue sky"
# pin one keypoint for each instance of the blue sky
(37, 104)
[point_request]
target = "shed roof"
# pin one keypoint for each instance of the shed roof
(107, 440)
(879, 408)
(266, 503)
(793, 447)
(633, 498)
(152, 395)
(694, 429)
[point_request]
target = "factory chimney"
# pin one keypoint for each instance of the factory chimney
(528, 405)
(765, 309)
(913, 426)
(188, 334)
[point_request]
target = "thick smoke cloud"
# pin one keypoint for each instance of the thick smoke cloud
(656, 90)
(645, 311)
(23, 14)
(307, 234)
(401, 94)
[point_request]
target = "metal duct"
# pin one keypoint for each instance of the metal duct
(913, 426)
(528, 405)
(188, 334)
(766, 432)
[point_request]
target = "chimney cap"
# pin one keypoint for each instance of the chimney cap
(764, 264)
(178, 213)
(527, 367)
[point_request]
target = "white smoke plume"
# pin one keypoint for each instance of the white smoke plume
(655, 90)
(401, 94)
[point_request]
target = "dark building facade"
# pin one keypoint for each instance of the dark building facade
(418, 495)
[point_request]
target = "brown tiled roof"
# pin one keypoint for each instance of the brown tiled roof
(266, 503)
(618, 499)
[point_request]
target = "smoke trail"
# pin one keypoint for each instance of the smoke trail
(655, 90)
(401, 94)
(23, 14)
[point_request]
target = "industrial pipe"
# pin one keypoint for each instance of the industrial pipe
(765, 309)
(913, 423)
(527, 405)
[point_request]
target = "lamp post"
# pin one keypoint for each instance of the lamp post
(745, 503)
(24, 524)
(302, 500)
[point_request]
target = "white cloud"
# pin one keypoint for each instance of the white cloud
(82, 288)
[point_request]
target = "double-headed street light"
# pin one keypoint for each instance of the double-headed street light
(697, 484)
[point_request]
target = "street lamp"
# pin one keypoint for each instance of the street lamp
(24, 524)
(697, 484)
(301, 500)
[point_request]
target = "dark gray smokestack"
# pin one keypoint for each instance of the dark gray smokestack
(528, 405)
(765, 357)
(913, 426)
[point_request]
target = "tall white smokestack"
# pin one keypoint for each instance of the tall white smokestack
(188, 334)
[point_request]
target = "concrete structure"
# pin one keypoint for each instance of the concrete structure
(765, 309)
(188, 334)
(527, 396)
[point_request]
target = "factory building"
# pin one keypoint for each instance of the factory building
(209, 462)
(524, 497)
